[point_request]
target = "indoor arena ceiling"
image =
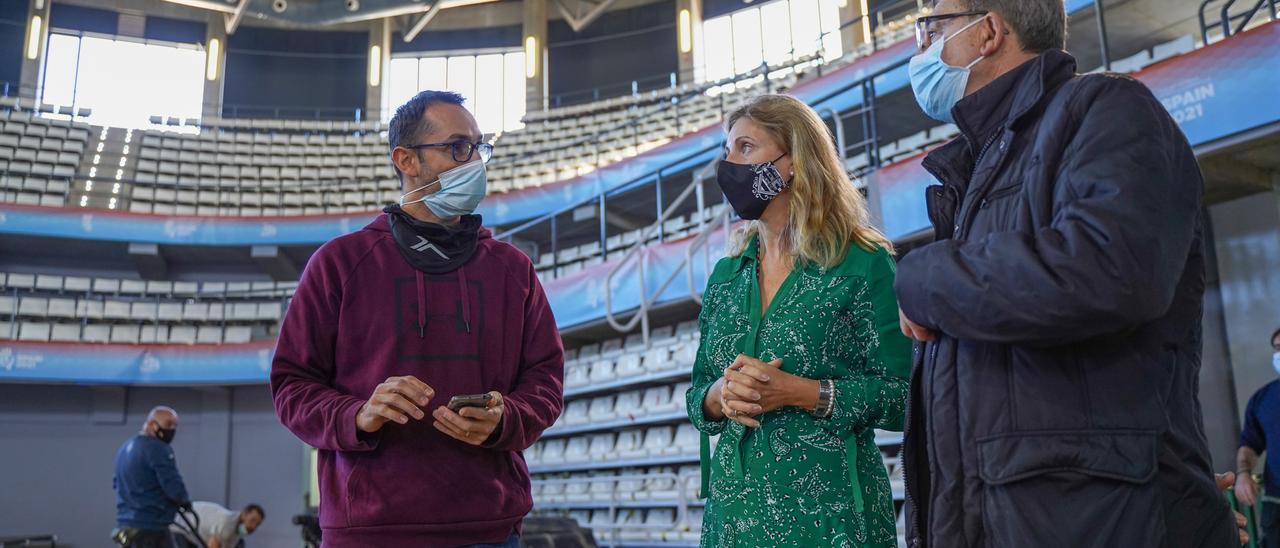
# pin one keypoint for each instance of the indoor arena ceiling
(417, 13)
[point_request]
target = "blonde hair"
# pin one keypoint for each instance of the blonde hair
(827, 212)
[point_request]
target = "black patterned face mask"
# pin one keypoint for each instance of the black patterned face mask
(750, 187)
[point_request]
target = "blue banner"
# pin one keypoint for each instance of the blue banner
(96, 224)
(135, 364)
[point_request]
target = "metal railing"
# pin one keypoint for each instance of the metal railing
(1226, 18)
(647, 240)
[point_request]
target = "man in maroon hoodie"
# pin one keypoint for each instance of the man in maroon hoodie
(392, 321)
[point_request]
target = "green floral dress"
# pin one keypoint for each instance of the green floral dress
(799, 480)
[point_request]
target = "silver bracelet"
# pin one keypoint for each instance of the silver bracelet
(826, 399)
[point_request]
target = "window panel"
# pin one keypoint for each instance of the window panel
(461, 77)
(431, 73)
(747, 48)
(513, 91)
(829, 13)
(60, 69)
(402, 83)
(776, 32)
(488, 104)
(717, 37)
(125, 82)
(805, 27)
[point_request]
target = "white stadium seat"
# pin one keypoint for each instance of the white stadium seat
(657, 439)
(576, 412)
(552, 453)
(575, 450)
(685, 443)
(601, 409)
(629, 365)
(602, 447)
(65, 332)
(34, 331)
(96, 333)
(630, 445)
(602, 371)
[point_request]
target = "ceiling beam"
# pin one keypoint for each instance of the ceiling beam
(422, 21)
(205, 4)
(578, 21)
(233, 20)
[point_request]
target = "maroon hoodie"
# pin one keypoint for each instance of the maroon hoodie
(353, 322)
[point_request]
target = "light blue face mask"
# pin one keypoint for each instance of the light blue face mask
(937, 85)
(1275, 362)
(461, 190)
(242, 530)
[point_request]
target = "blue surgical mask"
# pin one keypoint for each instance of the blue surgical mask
(461, 190)
(1275, 362)
(937, 85)
(242, 530)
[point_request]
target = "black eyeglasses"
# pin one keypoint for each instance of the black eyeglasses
(928, 26)
(462, 150)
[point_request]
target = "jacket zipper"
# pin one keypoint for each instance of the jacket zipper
(914, 527)
(916, 542)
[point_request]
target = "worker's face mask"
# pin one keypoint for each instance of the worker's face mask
(1275, 362)
(242, 530)
(165, 434)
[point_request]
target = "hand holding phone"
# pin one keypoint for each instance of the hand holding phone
(471, 419)
(469, 400)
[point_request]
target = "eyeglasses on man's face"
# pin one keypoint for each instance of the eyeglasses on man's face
(929, 28)
(462, 151)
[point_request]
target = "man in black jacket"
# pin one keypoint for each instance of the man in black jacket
(1055, 398)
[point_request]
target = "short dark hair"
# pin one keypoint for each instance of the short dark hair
(1272, 340)
(254, 507)
(407, 125)
(1041, 24)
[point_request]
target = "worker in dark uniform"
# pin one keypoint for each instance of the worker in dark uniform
(149, 489)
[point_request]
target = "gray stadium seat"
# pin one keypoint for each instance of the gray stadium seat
(65, 332)
(21, 281)
(209, 334)
(76, 283)
(33, 331)
(34, 307)
(154, 334)
(143, 311)
(115, 310)
(126, 334)
(96, 333)
(238, 334)
(182, 334)
(62, 308)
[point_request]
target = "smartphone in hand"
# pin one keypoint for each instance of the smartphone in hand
(469, 400)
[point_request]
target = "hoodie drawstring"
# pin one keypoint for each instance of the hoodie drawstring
(465, 296)
(422, 307)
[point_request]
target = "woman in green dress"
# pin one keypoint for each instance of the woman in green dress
(801, 356)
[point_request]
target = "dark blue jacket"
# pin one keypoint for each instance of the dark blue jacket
(1262, 431)
(1059, 407)
(148, 486)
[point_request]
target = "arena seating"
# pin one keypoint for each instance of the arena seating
(105, 310)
